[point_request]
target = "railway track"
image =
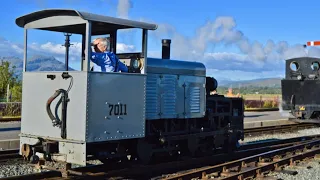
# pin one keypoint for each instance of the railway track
(134, 171)
(255, 166)
(244, 150)
(279, 129)
(6, 155)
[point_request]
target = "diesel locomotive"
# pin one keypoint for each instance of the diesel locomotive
(161, 107)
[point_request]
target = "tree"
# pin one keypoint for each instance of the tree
(16, 92)
(7, 77)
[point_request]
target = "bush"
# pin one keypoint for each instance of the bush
(10, 109)
(252, 103)
(268, 104)
(261, 104)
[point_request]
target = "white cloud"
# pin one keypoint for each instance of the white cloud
(123, 8)
(8, 48)
(123, 48)
(57, 49)
(253, 56)
(17, 48)
(222, 31)
(221, 56)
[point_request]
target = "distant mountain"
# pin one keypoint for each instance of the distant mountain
(45, 63)
(264, 82)
(36, 63)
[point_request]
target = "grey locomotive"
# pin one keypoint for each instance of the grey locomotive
(160, 107)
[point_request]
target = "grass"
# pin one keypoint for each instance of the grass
(8, 117)
(262, 109)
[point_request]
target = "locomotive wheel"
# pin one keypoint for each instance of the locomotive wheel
(26, 151)
(144, 151)
(121, 150)
(193, 145)
(230, 145)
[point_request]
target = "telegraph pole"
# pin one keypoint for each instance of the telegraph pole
(8, 92)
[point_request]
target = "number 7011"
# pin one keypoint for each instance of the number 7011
(117, 109)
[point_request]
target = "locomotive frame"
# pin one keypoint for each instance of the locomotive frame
(160, 107)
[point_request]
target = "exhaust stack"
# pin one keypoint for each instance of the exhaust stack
(166, 48)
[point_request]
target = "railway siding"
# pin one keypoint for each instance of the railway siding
(256, 165)
(264, 123)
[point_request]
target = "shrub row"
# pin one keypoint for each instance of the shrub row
(261, 103)
(10, 109)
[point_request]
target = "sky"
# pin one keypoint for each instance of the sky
(236, 40)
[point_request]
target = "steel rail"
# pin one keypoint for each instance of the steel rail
(279, 158)
(6, 155)
(273, 142)
(278, 129)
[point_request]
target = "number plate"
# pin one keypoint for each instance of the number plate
(117, 109)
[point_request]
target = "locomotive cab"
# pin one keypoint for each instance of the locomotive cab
(64, 111)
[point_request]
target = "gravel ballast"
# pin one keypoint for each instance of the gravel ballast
(15, 168)
(307, 171)
(19, 167)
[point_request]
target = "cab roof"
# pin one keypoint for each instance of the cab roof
(73, 21)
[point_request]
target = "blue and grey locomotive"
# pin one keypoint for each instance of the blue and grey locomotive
(161, 106)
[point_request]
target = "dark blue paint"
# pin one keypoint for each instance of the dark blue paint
(11, 129)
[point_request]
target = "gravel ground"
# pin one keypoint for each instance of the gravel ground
(18, 167)
(304, 173)
(14, 168)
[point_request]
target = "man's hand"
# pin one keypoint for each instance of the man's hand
(96, 41)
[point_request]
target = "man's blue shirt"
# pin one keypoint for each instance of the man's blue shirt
(106, 62)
